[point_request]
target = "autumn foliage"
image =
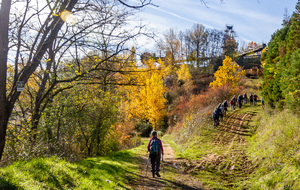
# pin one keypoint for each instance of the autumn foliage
(146, 101)
(227, 75)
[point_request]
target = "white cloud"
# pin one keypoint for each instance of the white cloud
(252, 20)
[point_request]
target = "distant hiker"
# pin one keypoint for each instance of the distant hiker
(251, 98)
(216, 116)
(225, 106)
(221, 108)
(245, 98)
(255, 97)
(240, 99)
(232, 104)
(155, 148)
(262, 103)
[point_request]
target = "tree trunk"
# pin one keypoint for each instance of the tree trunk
(5, 107)
(3, 126)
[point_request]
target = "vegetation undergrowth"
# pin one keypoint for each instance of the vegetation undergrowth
(275, 147)
(109, 172)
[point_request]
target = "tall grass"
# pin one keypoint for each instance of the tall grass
(276, 148)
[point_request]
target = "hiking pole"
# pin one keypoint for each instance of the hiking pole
(147, 165)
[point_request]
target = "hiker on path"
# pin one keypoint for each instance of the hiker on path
(232, 103)
(155, 148)
(251, 98)
(216, 116)
(262, 103)
(240, 99)
(245, 98)
(225, 106)
(255, 97)
(221, 108)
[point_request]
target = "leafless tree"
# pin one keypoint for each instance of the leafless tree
(36, 37)
(171, 47)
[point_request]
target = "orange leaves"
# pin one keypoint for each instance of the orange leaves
(227, 75)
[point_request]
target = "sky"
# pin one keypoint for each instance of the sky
(252, 20)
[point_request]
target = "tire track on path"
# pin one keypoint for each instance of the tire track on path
(229, 160)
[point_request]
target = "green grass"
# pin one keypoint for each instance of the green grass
(276, 149)
(110, 172)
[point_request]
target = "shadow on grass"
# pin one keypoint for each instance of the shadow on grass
(54, 173)
(97, 166)
(40, 171)
(6, 185)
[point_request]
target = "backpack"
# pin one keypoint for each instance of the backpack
(255, 97)
(155, 146)
(216, 114)
(225, 104)
(240, 97)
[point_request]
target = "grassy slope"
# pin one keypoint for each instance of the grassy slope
(110, 172)
(272, 147)
(203, 144)
(275, 147)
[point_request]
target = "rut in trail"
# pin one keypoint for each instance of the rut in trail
(231, 161)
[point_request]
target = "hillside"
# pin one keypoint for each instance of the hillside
(253, 148)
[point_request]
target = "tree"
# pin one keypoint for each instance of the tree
(280, 81)
(227, 75)
(229, 44)
(198, 39)
(147, 101)
(291, 82)
(39, 42)
(185, 77)
(172, 47)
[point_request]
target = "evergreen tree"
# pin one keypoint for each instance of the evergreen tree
(281, 65)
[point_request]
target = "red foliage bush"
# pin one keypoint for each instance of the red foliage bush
(194, 103)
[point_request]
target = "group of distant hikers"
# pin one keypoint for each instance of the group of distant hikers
(221, 109)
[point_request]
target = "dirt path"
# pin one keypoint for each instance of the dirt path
(173, 176)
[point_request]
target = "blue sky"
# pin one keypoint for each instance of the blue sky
(253, 20)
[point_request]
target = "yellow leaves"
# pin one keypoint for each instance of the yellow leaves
(48, 60)
(77, 72)
(227, 74)
(184, 73)
(147, 101)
